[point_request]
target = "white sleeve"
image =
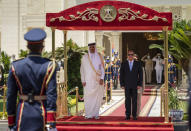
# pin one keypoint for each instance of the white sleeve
(102, 73)
(154, 59)
(82, 70)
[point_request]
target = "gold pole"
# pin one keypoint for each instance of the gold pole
(165, 30)
(64, 100)
(65, 68)
(58, 101)
(143, 80)
(161, 102)
(4, 101)
(77, 100)
(106, 91)
(53, 42)
(65, 57)
(110, 89)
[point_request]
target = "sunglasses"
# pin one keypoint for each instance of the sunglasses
(92, 47)
(130, 54)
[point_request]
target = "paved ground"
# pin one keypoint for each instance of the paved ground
(3, 125)
(155, 110)
(112, 103)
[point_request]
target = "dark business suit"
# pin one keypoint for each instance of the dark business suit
(130, 80)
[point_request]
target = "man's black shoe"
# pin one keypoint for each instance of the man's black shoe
(127, 118)
(134, 118)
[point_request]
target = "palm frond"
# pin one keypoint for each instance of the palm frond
(153, 46)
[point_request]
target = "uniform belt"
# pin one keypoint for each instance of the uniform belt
(37, 98)
(107, 72)
(171, 72)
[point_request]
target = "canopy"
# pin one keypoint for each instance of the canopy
(109, 15)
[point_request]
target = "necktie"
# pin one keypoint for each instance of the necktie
(130, 65)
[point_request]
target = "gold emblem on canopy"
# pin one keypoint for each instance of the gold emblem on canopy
(108, 13)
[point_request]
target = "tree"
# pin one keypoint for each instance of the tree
(179, 43)
(5, 60)
(23, 53)
(74, 54)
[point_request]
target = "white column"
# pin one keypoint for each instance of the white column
(9, 26)
(116, 40)
(86, 37)
(110, 39)
(99, 38)
(186, 12)
(120, 47)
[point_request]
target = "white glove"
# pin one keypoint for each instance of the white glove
(52, 129)
(12, 129)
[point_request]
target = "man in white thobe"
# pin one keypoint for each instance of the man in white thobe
(158, 67)
(92, 77)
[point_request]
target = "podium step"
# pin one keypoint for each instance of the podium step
(114, 123)
(95, 128)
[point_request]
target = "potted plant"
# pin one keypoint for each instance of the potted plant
(175, 105)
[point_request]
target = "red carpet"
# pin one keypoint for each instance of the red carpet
(113, 123)
(150, 90)
(120, 111)
(149, 86)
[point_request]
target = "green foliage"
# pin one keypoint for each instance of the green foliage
(174, 102)
(179, 40)
(186, 117)
(1, 115)
(74, 62)
(5, 60)
(46, 54)
(179, 43)
(23, 53)
(5, 78)
(74, 55)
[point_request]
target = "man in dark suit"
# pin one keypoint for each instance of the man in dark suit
(131, 77)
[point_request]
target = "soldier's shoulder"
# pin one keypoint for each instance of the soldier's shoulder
(46, 59)
(19, 60)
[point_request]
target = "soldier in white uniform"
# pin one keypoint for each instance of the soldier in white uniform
(148, 67)
(158, 67)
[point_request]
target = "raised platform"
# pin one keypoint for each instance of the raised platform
(113, 123)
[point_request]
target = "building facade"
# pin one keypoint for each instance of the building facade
(19, 16)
